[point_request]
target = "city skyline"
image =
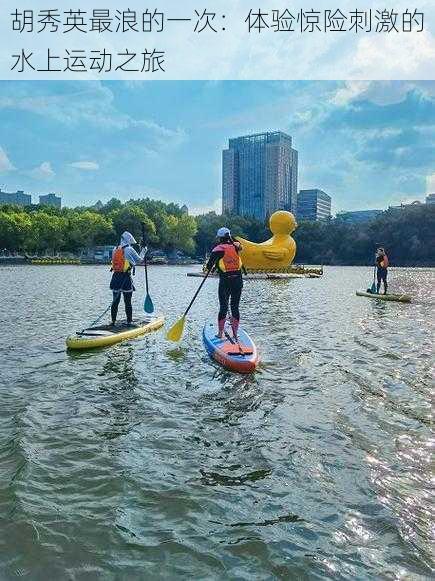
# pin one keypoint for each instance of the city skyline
(369, 143)
(22, 198)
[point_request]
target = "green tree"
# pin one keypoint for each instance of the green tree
(14, 228)
(131, 218)
(85, 229)
(178, 232)
(47, 232)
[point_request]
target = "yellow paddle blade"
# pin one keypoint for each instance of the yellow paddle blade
(175, 332)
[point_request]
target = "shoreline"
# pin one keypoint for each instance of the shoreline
(22, 261)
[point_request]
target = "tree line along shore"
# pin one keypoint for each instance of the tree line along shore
(408, 234)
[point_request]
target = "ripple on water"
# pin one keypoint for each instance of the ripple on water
(148, 459)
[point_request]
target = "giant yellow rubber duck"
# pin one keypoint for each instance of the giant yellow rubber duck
(277, 252)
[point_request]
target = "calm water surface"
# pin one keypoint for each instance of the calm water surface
(146, 461)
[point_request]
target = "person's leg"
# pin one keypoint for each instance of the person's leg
(128, 307)
(115, 304)
(385, 283)
(236, 293)
(224, 297)
(379, 279)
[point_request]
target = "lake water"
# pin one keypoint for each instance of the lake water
(146, 461)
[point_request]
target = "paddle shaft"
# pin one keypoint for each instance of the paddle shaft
(145, 258)
(196, 294)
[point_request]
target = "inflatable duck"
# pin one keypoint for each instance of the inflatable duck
(275, 253)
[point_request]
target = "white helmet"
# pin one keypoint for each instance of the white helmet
(222, 232)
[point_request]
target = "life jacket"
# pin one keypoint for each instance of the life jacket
(384, 262)
(231, 261)
(119, 262)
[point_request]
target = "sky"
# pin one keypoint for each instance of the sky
(368, 144)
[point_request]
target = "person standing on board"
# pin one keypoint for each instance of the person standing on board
(124, 259)
(381, 269)
(225, 258)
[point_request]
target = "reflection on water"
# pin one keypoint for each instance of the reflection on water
(147, 460)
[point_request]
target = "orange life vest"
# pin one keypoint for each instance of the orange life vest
(119, 263)
(384, 262)
(231, 261)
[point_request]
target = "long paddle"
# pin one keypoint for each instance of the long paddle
(373, 287)
(148, 303)
(175, 332)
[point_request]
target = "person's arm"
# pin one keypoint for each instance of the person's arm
(237, 246)
(215, 256)
(239, 249)
(132, 256)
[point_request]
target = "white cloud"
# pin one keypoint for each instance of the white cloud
(350, 91)
(43, 171)
(412, 57)
(430, 184)
(5, 163)
(215, 206)
(380, 92)
(85, 165)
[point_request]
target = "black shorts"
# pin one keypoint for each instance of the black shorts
(122, 282)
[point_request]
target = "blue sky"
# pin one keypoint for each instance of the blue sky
(367, 144)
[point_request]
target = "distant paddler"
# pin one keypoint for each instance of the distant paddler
(124, 259)
(225, 258)
(381, 269)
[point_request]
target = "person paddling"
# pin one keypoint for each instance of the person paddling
(124, 259)
(381, 269)
(225, 258)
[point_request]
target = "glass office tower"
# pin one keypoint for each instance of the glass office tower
(313, 205)
(260, 175)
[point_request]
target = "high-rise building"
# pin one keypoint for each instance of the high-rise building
(260, 175)
(313, 205)
(18, 198)
(50, 200)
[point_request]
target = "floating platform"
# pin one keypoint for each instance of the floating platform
(292, 271)
(261, 275)
(54, 261)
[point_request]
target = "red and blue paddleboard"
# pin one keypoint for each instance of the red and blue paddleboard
(240, 356)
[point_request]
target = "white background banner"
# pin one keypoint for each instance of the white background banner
(216, 40)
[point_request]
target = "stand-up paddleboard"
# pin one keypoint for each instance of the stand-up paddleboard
(105, 335)
(241, 356)
(388, 297)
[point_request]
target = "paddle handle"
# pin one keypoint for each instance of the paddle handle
(145, 257)
(197, 293)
